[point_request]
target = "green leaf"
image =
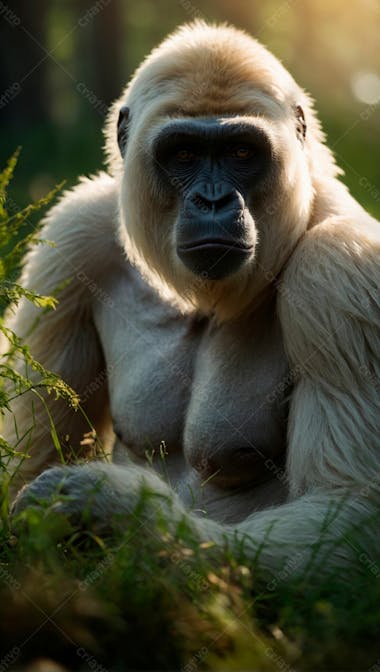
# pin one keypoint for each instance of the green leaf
(7, 174)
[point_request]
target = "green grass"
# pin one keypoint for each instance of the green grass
(152, 599)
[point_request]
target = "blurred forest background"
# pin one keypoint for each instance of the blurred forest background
(64, 61)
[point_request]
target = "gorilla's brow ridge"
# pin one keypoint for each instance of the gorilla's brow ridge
(209, 129)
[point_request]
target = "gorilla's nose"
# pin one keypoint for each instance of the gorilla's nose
(234, 468)
(214, 197)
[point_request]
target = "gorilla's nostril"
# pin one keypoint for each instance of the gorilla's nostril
(201, 202)
(226, 200)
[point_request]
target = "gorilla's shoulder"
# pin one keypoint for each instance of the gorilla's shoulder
(334, 272)
(88, 206)
(81, 229)
(84, 221)
(339, 245)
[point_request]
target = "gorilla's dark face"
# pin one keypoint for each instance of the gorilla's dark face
(214, 167)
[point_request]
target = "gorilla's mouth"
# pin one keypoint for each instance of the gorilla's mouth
(214, 258)
(215, 244)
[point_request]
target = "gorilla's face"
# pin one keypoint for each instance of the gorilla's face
(214, 168)
(216, 187)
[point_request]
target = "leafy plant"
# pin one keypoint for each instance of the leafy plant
(17, 235)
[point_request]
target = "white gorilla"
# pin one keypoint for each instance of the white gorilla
(222, 314)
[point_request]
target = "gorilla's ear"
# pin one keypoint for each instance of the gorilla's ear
(122, 129)
(301, 123)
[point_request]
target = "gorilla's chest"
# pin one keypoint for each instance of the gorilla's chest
(188, 385)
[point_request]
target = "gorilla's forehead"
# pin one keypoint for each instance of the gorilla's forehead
(247, 101)
(190, 97)
(211, 78)
(174, 98)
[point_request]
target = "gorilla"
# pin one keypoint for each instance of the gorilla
(218, 315)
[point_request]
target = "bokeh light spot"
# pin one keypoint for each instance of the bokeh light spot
(366, 87)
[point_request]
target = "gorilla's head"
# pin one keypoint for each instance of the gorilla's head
(218, 151)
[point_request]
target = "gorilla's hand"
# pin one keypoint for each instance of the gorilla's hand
(99, 496)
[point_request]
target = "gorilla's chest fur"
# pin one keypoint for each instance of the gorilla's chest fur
(213, 397)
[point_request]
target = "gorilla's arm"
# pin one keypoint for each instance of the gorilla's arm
(64, 340)
(309, 532)
(330, 312)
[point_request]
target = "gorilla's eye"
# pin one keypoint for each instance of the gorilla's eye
(242, 152)
(184, 155)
